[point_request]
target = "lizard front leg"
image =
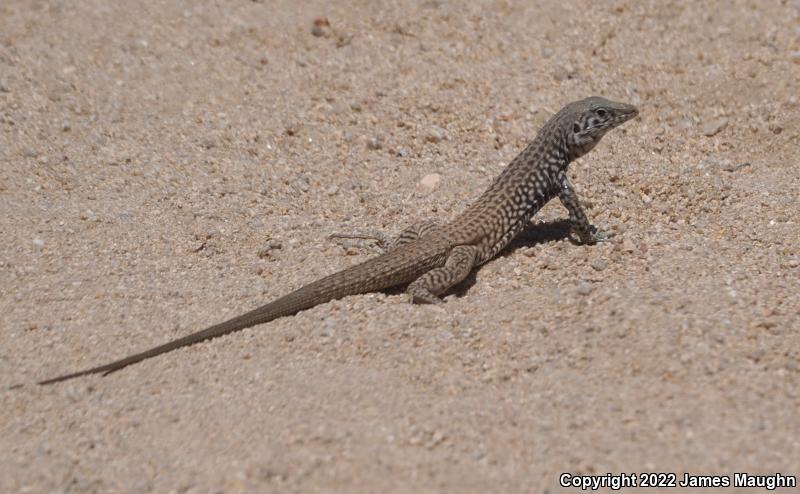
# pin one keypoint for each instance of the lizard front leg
(427, 288)
(577, 217)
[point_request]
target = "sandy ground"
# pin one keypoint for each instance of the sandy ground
(164, 165)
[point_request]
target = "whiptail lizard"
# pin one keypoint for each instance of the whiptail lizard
(433, 258)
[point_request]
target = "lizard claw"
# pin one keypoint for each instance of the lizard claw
(593, 237)
(601, 236)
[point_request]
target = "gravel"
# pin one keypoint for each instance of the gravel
(679, 354)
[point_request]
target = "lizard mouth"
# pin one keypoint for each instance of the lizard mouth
(626, 114)
(630, 113)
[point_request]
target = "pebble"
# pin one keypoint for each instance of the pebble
(271, 245)
(321, 27)
(545, 262)
(584, 288)
(730, 167)
(435, 134)
(563, 72)
(714, 127)
(599, 265)
(302, 184)
(793, 263)
(430, 181)
(628, 245)
(685, 123)
(332, 190)
(38, 242)
(375, 143)
(403, 153)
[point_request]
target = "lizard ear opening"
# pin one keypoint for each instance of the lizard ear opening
(576, 128)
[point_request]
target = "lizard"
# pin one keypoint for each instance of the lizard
(431, 258)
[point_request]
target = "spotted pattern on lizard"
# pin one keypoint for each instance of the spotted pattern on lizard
(433, 258)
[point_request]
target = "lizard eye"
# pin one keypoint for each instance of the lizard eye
(601, 113)
(576, 128)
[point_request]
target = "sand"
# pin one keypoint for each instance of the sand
(165, 165)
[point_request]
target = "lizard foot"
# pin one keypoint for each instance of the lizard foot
(380, 238)
(593, 237)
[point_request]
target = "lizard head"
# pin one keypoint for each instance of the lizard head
(586, 122)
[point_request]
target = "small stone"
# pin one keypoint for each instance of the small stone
(430, 181)
(563, 72)
(30, 153)
(207, 234)
(321, 27)
(403, 153)
(628, 245)
(714, 127)
(685, 123)
(547, 52)
(332, 190)
(38, 242)
(435, 134)
(730, 167)
(544, 261)
(599, 265)
(329, 328)
(266, 252)
(584, 288)
(375, 143)
(793, 263)
(302, 184)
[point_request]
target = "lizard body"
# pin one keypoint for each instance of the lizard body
(432, 258)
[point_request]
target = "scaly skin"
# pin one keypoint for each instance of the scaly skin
(433, 258)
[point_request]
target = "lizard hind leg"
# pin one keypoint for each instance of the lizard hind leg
(427, 288)
(384, 242)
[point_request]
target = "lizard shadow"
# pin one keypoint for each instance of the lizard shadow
(535, 234)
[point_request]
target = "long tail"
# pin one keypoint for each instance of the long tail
(376, 274)
(284, 306)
